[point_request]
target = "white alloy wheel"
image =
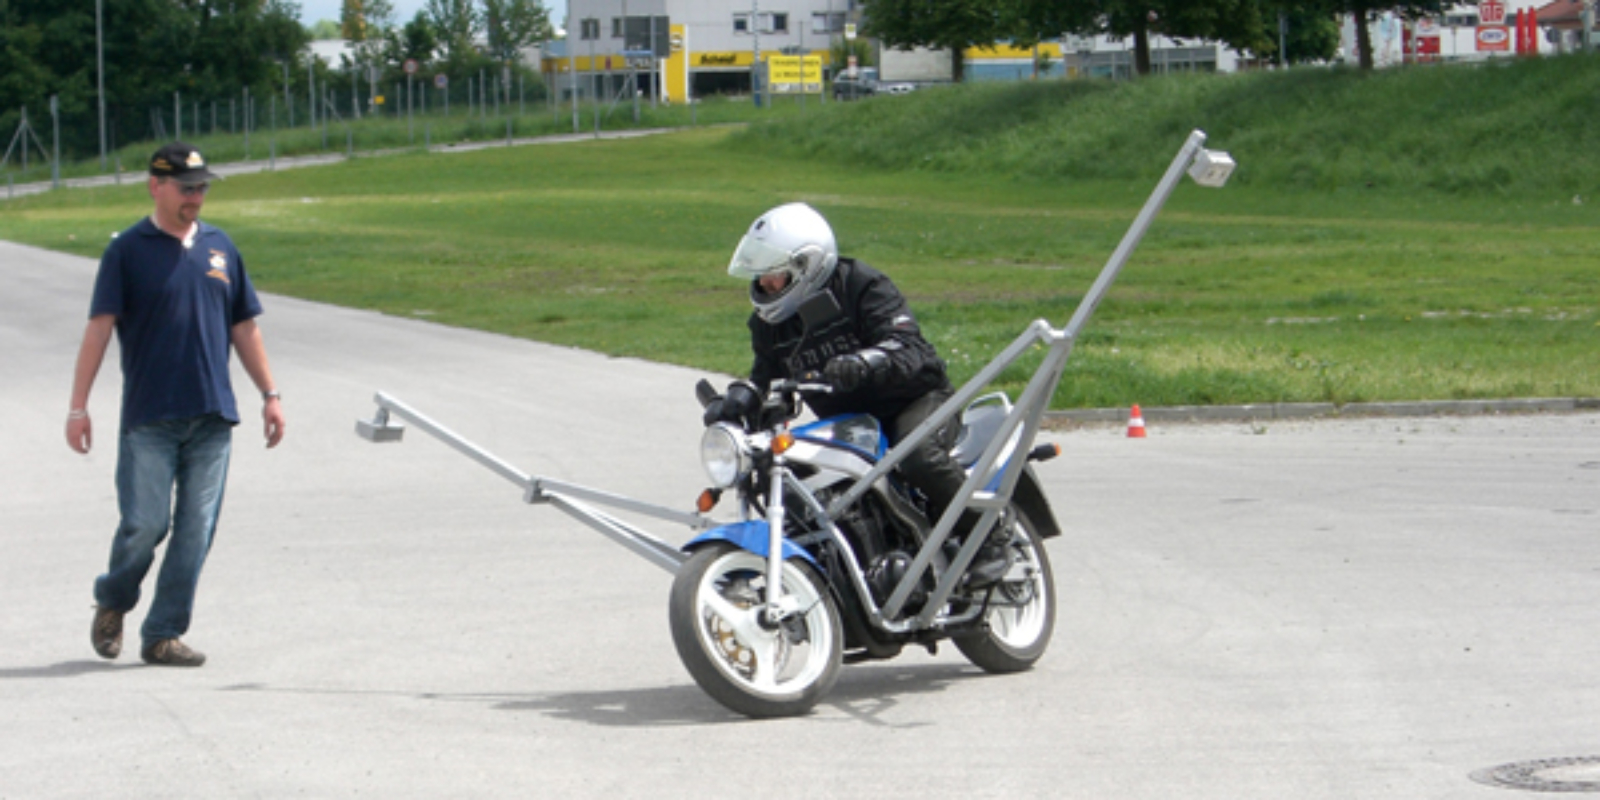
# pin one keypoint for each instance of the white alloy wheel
(1022, 609)
(751, 666)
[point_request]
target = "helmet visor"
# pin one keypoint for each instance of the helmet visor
(757, 257)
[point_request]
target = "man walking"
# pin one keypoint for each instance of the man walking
(175, 291)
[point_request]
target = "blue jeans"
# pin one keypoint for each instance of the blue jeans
(190, 455)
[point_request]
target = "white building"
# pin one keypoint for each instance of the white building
(685, 47)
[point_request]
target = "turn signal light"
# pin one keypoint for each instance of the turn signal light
(707, 500)
(1044, 452)
(782, 442)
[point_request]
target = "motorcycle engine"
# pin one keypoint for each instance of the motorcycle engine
(886, 572)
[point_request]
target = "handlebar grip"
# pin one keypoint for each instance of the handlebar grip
(705, 392)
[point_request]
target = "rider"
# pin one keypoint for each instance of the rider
(817, 311)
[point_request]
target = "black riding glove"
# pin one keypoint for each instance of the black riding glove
(851, 371)
(738, 403)
(847, 372)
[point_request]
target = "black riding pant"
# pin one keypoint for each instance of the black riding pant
(929, 466)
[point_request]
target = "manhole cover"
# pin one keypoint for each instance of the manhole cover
(1580, 774)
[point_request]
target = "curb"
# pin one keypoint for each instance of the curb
(1286, 411)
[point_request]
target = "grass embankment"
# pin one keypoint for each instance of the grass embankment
(1332, 278)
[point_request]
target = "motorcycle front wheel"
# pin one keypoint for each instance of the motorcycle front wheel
(744, 662)
(1022, 608)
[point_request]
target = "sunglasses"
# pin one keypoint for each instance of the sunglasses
(193, 189)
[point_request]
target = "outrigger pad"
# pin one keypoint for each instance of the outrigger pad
(379, 431)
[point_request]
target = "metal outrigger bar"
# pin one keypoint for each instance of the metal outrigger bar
(989, 486)
(567, 497)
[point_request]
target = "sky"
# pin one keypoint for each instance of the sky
(314, 10)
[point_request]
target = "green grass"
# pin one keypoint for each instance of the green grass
(1259, 292)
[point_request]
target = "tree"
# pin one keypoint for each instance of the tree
(324, 30)
(417, 39)
(1309, 33)
(456, 23)
(953, 25)
(201, 49)
(511, 25)
(353, 21)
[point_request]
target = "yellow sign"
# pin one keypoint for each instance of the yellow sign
(676, 85)
(722, 59)
(794, 74)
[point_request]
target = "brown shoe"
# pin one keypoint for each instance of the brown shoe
(172, 653)
(106, 633)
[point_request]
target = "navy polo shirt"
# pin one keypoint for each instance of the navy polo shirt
(175, 307)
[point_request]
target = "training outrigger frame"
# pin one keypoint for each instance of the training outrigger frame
(988, 488)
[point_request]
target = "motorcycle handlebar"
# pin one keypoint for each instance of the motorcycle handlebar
(806, 382)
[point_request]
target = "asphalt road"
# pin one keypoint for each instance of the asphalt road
(1374, 608)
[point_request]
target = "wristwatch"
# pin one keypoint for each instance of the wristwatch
(271, 395)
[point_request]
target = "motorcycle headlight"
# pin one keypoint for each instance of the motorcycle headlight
(724, 455)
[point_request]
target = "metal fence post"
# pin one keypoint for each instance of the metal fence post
(55, 158)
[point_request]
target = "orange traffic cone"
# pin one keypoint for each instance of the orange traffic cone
(1136, 423)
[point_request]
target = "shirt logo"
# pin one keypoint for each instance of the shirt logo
(219, 266)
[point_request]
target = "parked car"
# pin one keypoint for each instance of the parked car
(853, 86)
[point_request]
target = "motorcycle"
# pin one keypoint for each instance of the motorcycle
(858, 580)
(834, 560)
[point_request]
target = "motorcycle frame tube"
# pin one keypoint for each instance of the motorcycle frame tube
(857, 573)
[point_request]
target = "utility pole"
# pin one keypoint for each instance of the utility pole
(100, 62)
(755, 52)
(287, 102)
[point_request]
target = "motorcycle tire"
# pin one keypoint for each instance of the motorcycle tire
(1022, 614)
(754, 669)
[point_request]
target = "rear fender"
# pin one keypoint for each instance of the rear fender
(749, 535)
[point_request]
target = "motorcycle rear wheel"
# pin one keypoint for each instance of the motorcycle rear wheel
(1022, 614)
(754, 669)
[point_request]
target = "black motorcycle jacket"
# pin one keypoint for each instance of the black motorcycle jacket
(859, 308)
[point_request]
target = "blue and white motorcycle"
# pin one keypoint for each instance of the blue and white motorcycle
(833, 559)
(859, 574)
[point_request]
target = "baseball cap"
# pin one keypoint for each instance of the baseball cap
(181, 162)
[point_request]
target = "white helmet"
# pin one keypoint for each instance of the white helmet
(791, 238)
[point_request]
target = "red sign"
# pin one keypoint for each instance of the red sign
(1491, 12)
(1494, 39)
